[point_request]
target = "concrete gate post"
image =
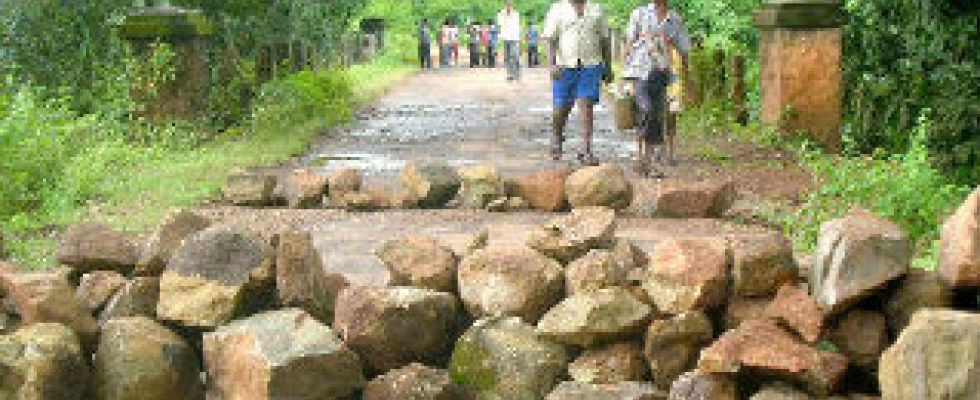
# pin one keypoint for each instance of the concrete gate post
(800, 50)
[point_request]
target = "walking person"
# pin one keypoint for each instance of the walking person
(444, 45)
(656, 42)
(510, 32)
(454, 43)
(475, 32)
(533, 38)
(485, 44)
(579, 51)
(425, 45)
(492, 45)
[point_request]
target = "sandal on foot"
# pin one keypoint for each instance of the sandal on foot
(556, 144)
(642, 167)
(588, 159)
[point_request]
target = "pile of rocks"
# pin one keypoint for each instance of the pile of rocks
(208, 312)
(483, 187)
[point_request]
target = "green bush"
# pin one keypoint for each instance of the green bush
(303, 96)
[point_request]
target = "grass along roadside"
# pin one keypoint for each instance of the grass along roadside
(136, 196)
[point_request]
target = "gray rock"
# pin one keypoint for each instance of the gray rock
(167, 238)
(505, 281)
(92, 247)
(431, 185)
(302, 281)
(609, 391)
(420, 261)
(603, 316)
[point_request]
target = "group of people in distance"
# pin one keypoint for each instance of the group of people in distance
(654, 68)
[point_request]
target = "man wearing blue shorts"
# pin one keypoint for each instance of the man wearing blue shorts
(581, 60)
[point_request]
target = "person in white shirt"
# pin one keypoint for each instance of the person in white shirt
(581, 60)
(509, 21)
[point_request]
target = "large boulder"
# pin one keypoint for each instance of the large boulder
(420, 261)
(762, 264)
(741, 309)
(42, 362)
(589, 318)
(137, 297)
(857, 255)
(305, 189)
(214, 277)
(167, 238)
(959, 250)
(861, 335)
(688, 274)
(95, 288)
(936, 358)
(616, 362)
(302, 281)
(510, 281)
(480, 185)
(917, 290)
(797, 311)
(390, 327)
(604, 185)
(596, 270)
(543, 190)
(503, 358)
(284, 354)
(138, 359)
(672, 345)
(344, 182)
(432, 185)
(697, 385)
(570, 237)
(609, 391)
(414, 382)
(249, 188)
(683, 199)
(761, 348)
(91, 247)
(47, 297)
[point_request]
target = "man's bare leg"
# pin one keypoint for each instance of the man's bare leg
(559, 119)
(586, 108)
(670, 132)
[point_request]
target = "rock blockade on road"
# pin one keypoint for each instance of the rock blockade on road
(576, 314)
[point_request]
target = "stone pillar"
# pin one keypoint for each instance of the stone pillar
(186, 31)
(800, 49)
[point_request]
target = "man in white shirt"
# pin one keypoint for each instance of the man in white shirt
(581, 59)
(509, 21)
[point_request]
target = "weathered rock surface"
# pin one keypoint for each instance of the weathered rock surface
(42, 362)
(420, 261)
(137, 297)
(415, 382)
(672, 345)
(604, 185)
(543, 190)
(683, 199)
(780, 392)
(959, 253)
(433, 185)
(596, 270)
(857, 255)
(701, 386)
(480, 185)
(214, 277)
(616, 362)
(741, 309)
(609, 391)
(390, 327)
(285, 354)
(343, 182)
(91, 247)
(568, 238)
(249, 188)
(796, 310)
(917, 290)
(305, 189)
(688, 274)
(762, 348)
(862, 336)
(518, 282)
(167, 238)
(762, 264)
(503, 358)
(936, 358)
(46, 297)
(602, 316)
(95, 288)
(302, 281)
(138, 359)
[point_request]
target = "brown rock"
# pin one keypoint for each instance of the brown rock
(701, 386)
(305, 189)
(688, 274)
(420, 261)
(568, 238)
(609, 391)
(140, 360)
(92, 247)
(416, 382)
(42, 362)
(45, 297)
(544, 190)
(602, 316)
(617, 362)
(856, 256)
(358, 201)
(391, 327)
(215, 277)
(917, 290)
(167, 238)
(741, 309)
(433, 185)
(138, 297)
(680, 199)
(780, 391)
(283, 354)
(762, 348)
(249, 188)
(672, 345)
(302, 281)
(605, 186)
(796, 310)
(343, 182)
(381, 197)
(936, 358)
(762, 264)
(480, 185)
(959, 254)
(97, 287)
(502, 281)
(596, 270)
(861, 335)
